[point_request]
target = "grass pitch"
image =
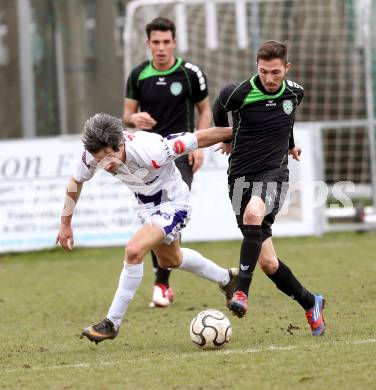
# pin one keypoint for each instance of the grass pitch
(46, 298)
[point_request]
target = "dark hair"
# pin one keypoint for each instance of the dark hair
(160, 24)
(271, 50)
(102, 131)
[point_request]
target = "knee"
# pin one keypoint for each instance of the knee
(269, 264)
(133, 253)
(254, 212)
(253, 217)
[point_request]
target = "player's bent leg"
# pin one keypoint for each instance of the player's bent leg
(169, 223)
(254, 212)
(189, 260)
(249, 253)
(142, 242)
(130, 279)
(168, 255)
(194, 262)
(285, 281)
(144, 239)
(268, 260)
(162, 275)
(163, 294)
(148, 236)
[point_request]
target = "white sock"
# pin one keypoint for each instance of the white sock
(199, 265)
(130, 278)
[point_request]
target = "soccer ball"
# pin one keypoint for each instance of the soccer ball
(210, 329)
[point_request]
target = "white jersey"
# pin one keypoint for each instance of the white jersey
(149, 172)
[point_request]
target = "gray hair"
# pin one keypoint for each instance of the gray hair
(102, 131)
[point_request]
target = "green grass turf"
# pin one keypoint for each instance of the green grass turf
(46, 298)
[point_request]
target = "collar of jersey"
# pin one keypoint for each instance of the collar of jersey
(150, 71)
(256, 95)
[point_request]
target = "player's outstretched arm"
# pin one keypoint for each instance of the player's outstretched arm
(212, 136)
(175, 145)
(65, 235)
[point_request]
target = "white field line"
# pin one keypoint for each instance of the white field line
(271, 348)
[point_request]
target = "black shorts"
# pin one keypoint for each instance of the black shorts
(185, 170)
(271, 186)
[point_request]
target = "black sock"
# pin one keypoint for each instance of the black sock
(249, 254)
(161, 274)
(285, 281)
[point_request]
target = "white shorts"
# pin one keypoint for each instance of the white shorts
(169, 219)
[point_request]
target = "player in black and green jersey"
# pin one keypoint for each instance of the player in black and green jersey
(263, 113)
(161, 96)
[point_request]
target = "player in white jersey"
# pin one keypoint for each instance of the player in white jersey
(144, 162)
(157, 185)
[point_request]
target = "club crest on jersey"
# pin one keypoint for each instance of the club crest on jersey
(179, 146)
(176, 88)
(288, 106)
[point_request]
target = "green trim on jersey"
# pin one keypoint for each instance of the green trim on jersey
(256, 95)
(150, 71)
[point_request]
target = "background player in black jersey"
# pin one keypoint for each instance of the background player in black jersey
(263, 112)
(161, 96)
